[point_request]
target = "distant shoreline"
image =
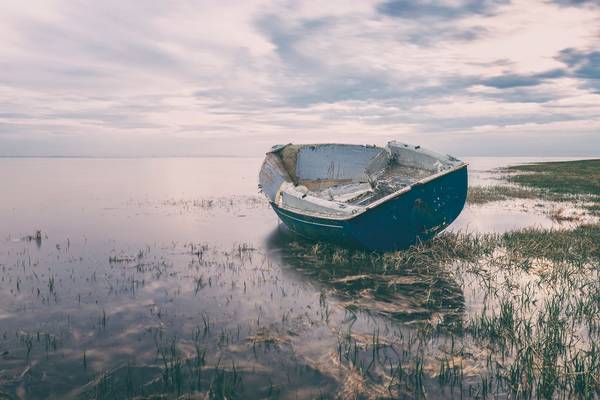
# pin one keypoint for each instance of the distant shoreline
(565, 157)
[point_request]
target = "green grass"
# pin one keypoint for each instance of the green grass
(594, 208)
(566, 177)
(565, 181)
(486, 194)
(581, 243)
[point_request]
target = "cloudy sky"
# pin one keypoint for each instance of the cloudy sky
(137, 78)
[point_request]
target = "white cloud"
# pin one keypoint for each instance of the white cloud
(199, 77)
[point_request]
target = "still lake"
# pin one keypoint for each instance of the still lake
(147, 266)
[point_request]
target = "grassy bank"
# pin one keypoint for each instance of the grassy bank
(575, 182)
(567, 178)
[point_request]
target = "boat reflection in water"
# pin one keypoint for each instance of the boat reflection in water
(411, 293)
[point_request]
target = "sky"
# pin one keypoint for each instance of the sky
(200, 78)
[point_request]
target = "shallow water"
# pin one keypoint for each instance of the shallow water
(507, 215)
(146, 264)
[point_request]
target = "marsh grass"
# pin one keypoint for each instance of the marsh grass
(539, 323)
(486, 194)
(594, 208)
(537, 326)
(215, 203)
(566, 181)
(566, 178)
(465, 315)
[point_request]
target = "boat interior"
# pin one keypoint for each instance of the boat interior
(341, 179)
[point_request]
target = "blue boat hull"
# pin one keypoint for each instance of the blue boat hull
(398, 223)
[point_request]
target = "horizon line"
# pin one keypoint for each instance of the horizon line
(580, 156)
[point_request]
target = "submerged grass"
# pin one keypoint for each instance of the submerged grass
(536, 329)
(535, 334)
(465, 315)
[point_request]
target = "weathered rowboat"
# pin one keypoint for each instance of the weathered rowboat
(379, 198)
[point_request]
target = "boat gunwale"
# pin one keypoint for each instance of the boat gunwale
(375, 204)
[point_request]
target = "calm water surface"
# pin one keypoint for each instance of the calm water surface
(172, 276)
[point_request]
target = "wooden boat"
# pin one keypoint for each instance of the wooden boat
(378, 198)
